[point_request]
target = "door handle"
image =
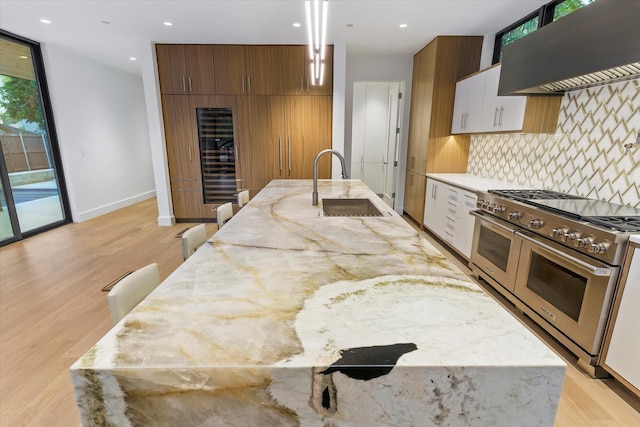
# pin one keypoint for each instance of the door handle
(301, 84)
(495, 117)
(189, 151)
(280, 151)
(243, 91)
(190, 88)
(184, 84)
(500, 119)
(289, 139)
(249, 83)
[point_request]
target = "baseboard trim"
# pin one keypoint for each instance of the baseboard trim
(166, 221)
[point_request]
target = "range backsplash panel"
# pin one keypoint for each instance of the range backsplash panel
(585, 156)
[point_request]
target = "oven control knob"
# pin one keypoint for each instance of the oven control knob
(515, 215)
(479, 203)
(583, 242)
(568, 237)
(597, 248)
(557, 232)
(499, 209)
(536, 223)
(485, 204)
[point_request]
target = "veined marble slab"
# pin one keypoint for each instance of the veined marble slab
(290, 318)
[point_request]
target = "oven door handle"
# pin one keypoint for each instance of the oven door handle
(485, 217)
(597, 270)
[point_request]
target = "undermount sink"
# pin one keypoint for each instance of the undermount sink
(349, 207)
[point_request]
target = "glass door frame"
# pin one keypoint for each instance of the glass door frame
(43, 88)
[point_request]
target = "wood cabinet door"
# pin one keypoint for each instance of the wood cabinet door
(230, 68)
(264, 69)
(414, 196)
(201, 69)
(308, 121)
(172, 71)
(181, 138)
(261, 139)
(421, 105)
(294, 70)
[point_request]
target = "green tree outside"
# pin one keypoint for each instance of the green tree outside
(20, 100)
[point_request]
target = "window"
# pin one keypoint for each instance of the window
(32, 191)
(565, 7)
(514, 32)
(546, 14)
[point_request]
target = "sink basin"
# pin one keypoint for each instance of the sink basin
(349, 207)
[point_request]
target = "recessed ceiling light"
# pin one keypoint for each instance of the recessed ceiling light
(403, 25)
(297, 24)
(350, 25)
(167, 23)
(133, 58)
(45, 21)
(106, 22)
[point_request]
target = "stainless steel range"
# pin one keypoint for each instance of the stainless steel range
(557, 257)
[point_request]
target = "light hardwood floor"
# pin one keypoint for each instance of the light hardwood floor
(52, 310)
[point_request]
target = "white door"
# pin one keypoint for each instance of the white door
(374, 139)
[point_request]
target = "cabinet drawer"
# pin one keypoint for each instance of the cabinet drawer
(453, 209)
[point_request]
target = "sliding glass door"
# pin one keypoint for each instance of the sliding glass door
(32, 197)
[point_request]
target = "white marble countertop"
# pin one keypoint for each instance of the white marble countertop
(473, 182)
(635, 239)
(245, 331)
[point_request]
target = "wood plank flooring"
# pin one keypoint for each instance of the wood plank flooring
(52, 310)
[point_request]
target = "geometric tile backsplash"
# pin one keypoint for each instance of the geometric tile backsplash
(584, 157)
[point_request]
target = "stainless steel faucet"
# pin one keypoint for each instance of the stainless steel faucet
(314, 195)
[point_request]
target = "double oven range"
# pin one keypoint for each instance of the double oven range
(557, 258)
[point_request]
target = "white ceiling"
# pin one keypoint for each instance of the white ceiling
(78, 25)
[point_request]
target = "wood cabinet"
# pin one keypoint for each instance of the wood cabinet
(248, 69)
(479, 109)
(280, 136)
(622, 341)
(414, 194)
(296, 73)
(279, 128)
(436, 68)
(186, 69)
(183, 152)
(447, 215)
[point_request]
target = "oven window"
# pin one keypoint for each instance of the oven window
(561, 287)
(494, 248)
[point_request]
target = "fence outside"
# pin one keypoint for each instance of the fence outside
(25, 152)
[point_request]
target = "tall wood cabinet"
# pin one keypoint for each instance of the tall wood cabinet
(432, 149)
(280, 122)
(281, 136)
(183, 151)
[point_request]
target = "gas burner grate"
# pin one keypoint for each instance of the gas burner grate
(627, 224)
(524, 195)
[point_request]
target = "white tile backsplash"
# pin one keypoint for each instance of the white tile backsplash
(586, 155)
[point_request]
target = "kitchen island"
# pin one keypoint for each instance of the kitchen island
(288, 317)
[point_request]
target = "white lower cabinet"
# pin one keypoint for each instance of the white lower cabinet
(446, 214)
(622, 344)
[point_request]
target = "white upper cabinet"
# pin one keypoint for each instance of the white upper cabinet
(478, 108)
(500, 113)
(468, 104)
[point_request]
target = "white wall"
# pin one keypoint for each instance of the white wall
(397, 68)
(101, 123)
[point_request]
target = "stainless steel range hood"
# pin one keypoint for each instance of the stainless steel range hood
(597, 44)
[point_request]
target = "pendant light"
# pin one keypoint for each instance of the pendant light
(317, 29)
